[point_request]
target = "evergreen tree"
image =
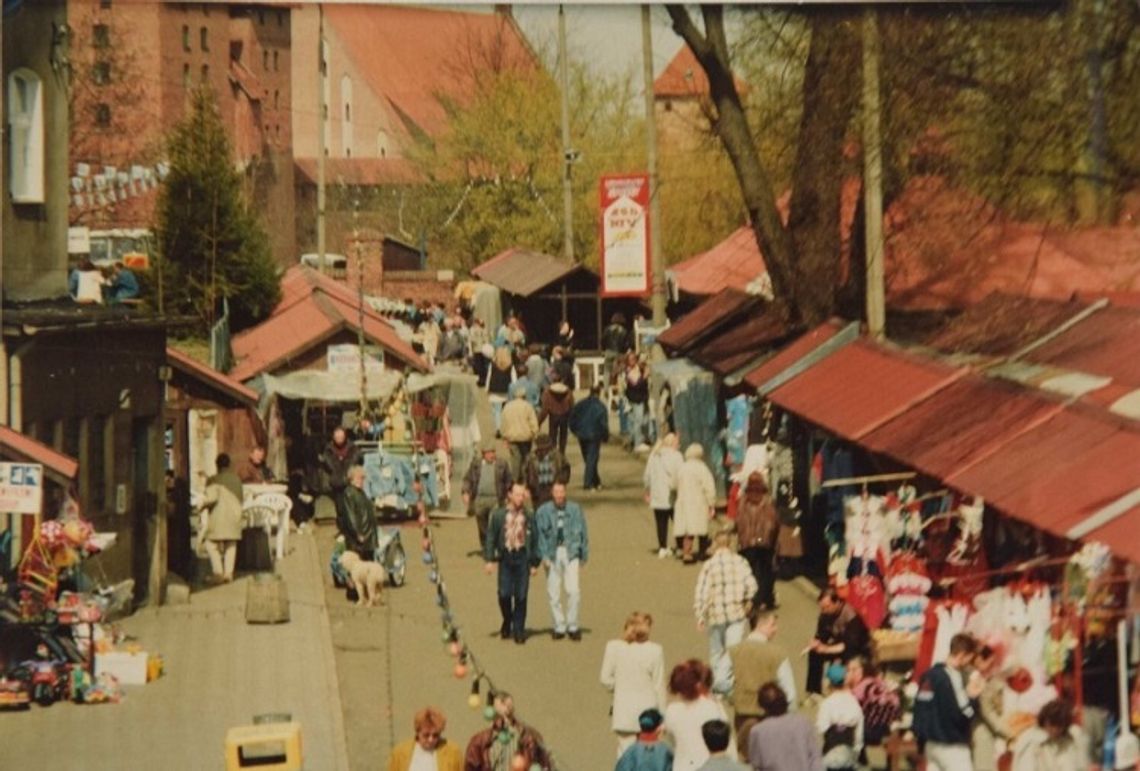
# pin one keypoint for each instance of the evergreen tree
(212, 246)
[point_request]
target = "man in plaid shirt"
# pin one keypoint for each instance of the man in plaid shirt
(725, 589)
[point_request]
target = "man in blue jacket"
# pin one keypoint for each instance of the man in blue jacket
(512, 544)
(590, 422)
(564, 547)
(945, 707)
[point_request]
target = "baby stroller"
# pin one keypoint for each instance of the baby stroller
(389, 553)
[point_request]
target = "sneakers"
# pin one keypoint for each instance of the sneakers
(662, 553)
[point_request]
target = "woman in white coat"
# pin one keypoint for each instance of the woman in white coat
(634, 669)
(696, 497)
(660, 480)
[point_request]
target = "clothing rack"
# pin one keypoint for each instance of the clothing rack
(872, 478)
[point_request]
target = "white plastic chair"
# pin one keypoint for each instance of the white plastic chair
(282, 505)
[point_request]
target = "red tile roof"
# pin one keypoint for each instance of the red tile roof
(211, 376)
(417, 58)
(706, 318)
(361, 171)
(948, 248)
(16, 446)
(685, 77)
(313, 307)
(733, 263)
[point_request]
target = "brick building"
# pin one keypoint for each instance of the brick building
(134, 65)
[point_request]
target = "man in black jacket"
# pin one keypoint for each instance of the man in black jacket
(945, 707)
(590, 422)
(359, 517)
(512, 546)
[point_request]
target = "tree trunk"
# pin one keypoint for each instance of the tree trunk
(830, 92)
(731, 126)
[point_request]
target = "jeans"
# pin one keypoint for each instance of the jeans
(497, 403)
(591, 449)
(563, 571)
(760, 560)
(514, 582)
(637, 433)
(559, 432)
(483, 509)
(662, 516)
(721, 638)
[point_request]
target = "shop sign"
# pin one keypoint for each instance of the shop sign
(345, 357)
(625, 235)
(21, 488)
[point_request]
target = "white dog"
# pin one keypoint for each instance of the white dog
(364, 576)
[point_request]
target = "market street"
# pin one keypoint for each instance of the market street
(391, 660)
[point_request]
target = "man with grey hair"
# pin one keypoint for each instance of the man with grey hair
(360, 516)
(723, 598)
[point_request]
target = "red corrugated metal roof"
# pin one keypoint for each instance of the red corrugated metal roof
(1062, 471)
(1107, 342)
(418, 58)
(1119, 535)
(792, 353)
(722, 307)
(861, 386)
(733, 263)
(964, 423)
(1002, 324)
(16, 446)
(741, 343)
(312, 308)
(218, 380)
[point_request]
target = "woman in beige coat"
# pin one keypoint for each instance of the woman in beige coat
(696, 497)
(221, 525)
(634, 669)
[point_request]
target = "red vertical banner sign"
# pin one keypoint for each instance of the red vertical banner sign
(625, 235)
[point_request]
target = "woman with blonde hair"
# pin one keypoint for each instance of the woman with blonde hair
(500, 377)
(660, 480)
(634, 669)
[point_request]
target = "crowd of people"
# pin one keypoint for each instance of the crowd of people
(113, 285)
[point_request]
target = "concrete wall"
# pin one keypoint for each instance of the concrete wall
(35, 235)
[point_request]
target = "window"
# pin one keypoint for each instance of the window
(101, 36)
(205, 73)
(346, 134)
(204, 38)
(276, 100)
(185, 37)
(265, 60)
(261, 18)
(101, 73)
(26, 137)
(275, 61)
(186, 76)
(347, 112)
(280, 18)
(98, 436)
(103, 115)
(104, 4)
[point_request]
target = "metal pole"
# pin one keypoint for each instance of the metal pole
(360, 340)
(322, 110)
(567, 152)
(873, 177)
(657, 263)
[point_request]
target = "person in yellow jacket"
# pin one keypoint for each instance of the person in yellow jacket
(428, 751)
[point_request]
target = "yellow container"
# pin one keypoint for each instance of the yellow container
(268, 747)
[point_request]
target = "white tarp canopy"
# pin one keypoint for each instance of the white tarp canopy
(325, 386)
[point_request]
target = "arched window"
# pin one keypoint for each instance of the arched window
(26, 139)
(346, 125)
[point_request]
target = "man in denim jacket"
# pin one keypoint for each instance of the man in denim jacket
(563, 546)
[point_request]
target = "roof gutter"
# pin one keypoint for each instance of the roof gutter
(1061, 328)
(1105, 515)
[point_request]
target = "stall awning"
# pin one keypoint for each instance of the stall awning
(319, 385)
(816, 343)
(964, 423)
(17, 447)
(706, 318)
(1062, 472)
(861, 386)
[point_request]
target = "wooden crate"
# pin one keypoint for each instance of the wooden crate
(266, 599)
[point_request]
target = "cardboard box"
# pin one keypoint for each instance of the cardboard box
(128, 668)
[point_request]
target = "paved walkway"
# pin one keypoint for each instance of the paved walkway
(220, 672)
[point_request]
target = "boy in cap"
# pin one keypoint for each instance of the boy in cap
(840, 723)
(648, 753)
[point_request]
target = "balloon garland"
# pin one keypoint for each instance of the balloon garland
(466, 663)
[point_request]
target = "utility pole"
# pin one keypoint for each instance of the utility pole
(322, 110)
(873, 177)
(567, 152)
(657, 263)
